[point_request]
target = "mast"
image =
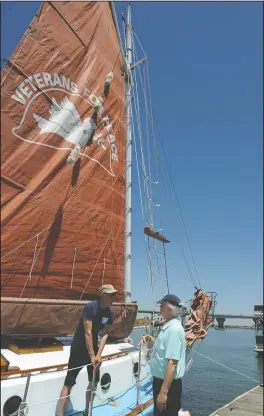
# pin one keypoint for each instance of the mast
(128, 164)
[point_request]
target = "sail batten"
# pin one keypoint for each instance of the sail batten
(54, 101)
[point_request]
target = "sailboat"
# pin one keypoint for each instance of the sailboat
(66, 210)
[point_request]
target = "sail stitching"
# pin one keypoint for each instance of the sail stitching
(66, 21)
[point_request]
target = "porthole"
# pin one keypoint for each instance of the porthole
(135, 369)
(11, 406)
(105, 382)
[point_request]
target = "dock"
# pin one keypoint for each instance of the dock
(248, 404)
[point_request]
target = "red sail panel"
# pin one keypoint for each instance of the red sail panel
(63, 224)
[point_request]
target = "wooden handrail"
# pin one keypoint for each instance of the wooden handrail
(51, 367)
(56, 302)
(140, 407)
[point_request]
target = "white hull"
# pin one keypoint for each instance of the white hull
(44, 388)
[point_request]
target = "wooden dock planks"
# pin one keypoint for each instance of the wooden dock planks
(248, 404)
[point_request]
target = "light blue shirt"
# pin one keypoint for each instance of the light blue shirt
(169, 345)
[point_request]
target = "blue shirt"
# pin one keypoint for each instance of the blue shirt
(169, 344)
(99, 317)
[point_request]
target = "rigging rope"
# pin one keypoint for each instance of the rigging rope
(166, 269)
(188, 267)
(73, 264)
(86, 390)
(147, 182)
(95, 265)
(33, 262)
(171, 177)
(158, 161)
(229, 368)
(149, 195)
(139, 126)
(32, 265)
(137, 164)
(142, 211)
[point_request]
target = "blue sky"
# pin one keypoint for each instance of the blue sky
(205, 65)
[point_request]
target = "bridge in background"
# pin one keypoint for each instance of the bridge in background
(220, 317)
(232, 316)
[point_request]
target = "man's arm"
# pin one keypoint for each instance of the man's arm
(104, 335)
(169, 375)
(89, 337)
(168, 378)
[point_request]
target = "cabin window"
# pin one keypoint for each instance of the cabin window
(135, 369)
(11, 406)
(105, 382)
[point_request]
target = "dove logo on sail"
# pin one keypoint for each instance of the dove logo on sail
(66, 122)
(58, 118)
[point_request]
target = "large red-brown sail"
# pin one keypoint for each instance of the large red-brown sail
(63, 224)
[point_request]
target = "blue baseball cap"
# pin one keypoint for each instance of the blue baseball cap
(172, 299)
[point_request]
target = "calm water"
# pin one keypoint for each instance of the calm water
(208, 386)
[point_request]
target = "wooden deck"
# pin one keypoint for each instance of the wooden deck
(248, 404)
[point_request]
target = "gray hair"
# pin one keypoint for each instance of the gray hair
(175, 310)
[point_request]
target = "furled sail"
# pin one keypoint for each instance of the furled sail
(63, 155)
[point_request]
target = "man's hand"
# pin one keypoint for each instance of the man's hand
(162, 401)
(96, 360)
(146, 338)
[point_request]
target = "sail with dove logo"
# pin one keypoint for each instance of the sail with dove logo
(63, 155)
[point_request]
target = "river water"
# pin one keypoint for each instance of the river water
(207, 385)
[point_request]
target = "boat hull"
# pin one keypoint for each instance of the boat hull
(44, 387)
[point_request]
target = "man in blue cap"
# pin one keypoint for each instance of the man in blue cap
(168, 359)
